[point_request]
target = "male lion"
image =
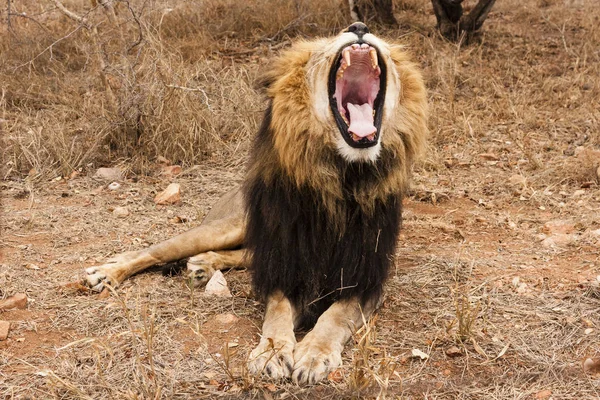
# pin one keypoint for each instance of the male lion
(319, 214)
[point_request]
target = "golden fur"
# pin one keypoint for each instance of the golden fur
(303, 142)
(305, 148)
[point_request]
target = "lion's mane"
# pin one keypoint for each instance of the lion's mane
(321, 228)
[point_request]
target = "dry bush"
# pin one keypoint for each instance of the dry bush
(140, 79)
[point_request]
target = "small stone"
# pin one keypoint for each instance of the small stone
(543, 394)
(170, 170)
(4, 329)
(558, 226)
(226, 319)
(591, 366)
(109, 174)
(453, 352)
(163, 160)
(170, 195)
(114, 186)
(418, 353)
(18, 301)
(558, 240)
(579, 192)
(588, 331)
(598, 173)
(217, 285)
(120, 212)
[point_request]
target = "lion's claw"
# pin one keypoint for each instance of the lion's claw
(314, 362)
(274, 359)
(97, 278)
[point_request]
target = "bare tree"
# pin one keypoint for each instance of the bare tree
(381, 11)
(453, 23)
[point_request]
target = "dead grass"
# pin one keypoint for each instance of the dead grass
(142, 80)
(515, 134)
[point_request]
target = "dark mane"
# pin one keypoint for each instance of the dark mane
(297, 248)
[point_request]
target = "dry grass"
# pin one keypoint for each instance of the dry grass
(151, 79)
(515, 140)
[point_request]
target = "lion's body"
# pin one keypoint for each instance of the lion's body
(318, 220)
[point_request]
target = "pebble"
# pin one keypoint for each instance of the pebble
(171, 195)
(453, 352)
(171, 170)
(18, 301)
(4, 329)
(558, 226)
(120, 212)
(114, 186)
(217, 285)
(109, 174)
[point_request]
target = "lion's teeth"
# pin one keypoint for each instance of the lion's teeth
(373, 54)
(347, 57)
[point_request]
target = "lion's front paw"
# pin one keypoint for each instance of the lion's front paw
(273, 358)
(314, 361)
(97, 278)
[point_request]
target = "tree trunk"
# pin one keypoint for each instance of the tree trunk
(380, 11)
(453, 24)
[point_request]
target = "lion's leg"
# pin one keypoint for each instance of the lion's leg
(321, 349)
(274, 354)
(202, 266)
(214, 235)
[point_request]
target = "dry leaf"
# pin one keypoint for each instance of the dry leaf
(336, 376)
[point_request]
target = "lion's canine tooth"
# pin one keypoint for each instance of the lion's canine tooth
(373, 54)
(347, 57)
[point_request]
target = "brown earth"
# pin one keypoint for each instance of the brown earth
(499, 255)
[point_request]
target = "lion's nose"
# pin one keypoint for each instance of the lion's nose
(358, 28)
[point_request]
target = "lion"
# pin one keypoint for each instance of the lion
(318, 216)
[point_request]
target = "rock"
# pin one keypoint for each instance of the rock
(109, 174)
(163, 160)
(543, 394)
(558, 226)
(217, 285)
(559, 240)
(453, 352)
(170, 195)
(416, 353)
(591, 366)
(4, 329)
(226, 319)
(19, 301)
(170, 170)
(114, 186)
(120, 212)
(598, 173)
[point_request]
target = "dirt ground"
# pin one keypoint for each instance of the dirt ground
(496, 288)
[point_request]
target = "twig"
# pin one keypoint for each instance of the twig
(77, 18)
(192, 90)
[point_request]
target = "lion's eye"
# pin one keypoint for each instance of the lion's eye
(356, 88)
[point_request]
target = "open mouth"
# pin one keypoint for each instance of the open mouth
(356, 93)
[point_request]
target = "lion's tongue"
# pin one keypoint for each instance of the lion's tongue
(361, 119)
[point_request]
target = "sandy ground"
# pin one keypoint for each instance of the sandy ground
(528, 307)
(497, 276)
